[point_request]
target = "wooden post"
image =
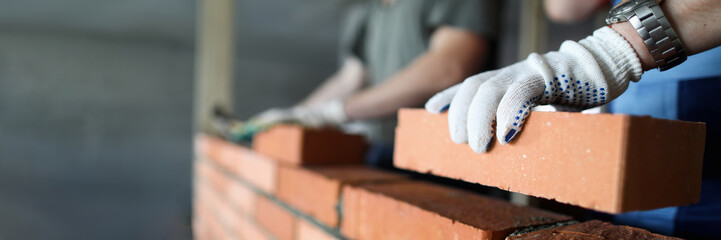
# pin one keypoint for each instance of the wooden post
(214, 61)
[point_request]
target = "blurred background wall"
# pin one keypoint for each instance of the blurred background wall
(285, 48)
(96, 100)
(94, 137)
(95, 104)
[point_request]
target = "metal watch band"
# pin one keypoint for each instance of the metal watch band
(658, 35)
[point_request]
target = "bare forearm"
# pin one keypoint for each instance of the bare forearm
(568, 11)
(453, 55)
(348, 80)
(409, 88)
(695, 22)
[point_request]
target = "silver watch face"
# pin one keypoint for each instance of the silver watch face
(619, 13)
(625, 6)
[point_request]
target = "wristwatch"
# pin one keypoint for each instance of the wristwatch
(649, 21)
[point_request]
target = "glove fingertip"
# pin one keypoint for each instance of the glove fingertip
(437, 105)
(441, 101)
(482, 149)
(445, 108)
(458, 137)
(479, 141)
(509, 136)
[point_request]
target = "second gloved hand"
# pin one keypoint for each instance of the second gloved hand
(322, 114)
(581, 74)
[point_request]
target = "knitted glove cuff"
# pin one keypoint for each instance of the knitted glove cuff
(326, 113)
(334, 111)
(616, 55)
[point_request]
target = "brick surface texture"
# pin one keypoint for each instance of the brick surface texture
(611, 163)
(308, 231)
(257, 169)
(217, 212)
(316, 191)
(278, 221)
(590, 230)
(429, 211)
(296, 145)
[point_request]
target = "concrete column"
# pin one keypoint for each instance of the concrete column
(534, 29)
(213, 61)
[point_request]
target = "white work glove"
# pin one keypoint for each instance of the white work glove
(322, 114)
(582, 74)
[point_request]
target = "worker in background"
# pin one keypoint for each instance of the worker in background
(394, 54)
(599, 69)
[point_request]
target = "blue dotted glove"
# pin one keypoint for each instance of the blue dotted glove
(581, 74)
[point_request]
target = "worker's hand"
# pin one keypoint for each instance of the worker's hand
(581, 74)
(322, 114)
(272, 116)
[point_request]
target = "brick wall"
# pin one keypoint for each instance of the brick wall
(240, 193)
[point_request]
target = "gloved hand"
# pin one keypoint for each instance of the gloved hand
(272, 116)
(327, 113)
(581, 74)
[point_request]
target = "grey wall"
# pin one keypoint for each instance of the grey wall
(95, 138)
(96, 101)
(285, 48)
(557, 33)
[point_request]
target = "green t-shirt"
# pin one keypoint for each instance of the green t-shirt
(387, 38)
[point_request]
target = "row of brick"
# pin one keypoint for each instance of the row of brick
(227, 208)
(317, 192)
(359, 202)
(419, 210)
(313, 189)
(607, 162)
(257, 169)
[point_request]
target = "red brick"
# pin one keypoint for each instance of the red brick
(612, 163)
(208, 212)
(221, 212)
(200, 231)
(315, 191)
(250, 230)
(212, 177)
(419, 210)
(257, 169)
(227, 223)
(240, 197)
(215, 230)
(200, 225)
(240, 226)
(308, 231)
(260, 171)
(297, 145)
(230, 208)
(591, 230)
(222, 152)
(274, 218)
